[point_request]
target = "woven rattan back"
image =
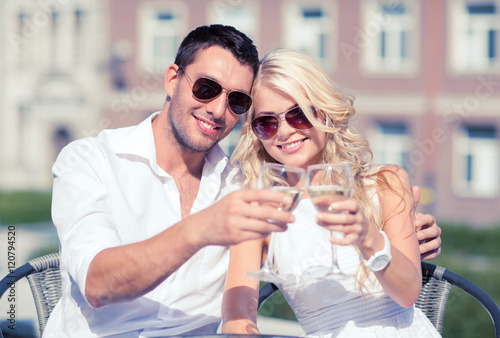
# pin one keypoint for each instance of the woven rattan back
(46, 286)
(44, 278)
(47, 290)
(433, 298)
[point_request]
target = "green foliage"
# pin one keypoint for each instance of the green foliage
(475, 255)
(24, 207)
(45, 251)
(462, 239)
(467, 251)
(276, 306)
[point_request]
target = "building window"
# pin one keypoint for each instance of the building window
(79, 24)
(60, 138)
(388, 37)
(16, 38)
(161, 29)
(309, 27)
(242, 15)
(476, 163)
(475, 37)
(390, 143)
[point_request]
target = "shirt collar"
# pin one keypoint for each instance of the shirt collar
(138, 140)
(216, 158)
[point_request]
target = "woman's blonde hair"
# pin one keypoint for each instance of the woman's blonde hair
(303, 79)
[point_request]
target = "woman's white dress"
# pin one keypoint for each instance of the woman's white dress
(336, 308)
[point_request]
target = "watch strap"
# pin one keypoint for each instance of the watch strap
(380, 259)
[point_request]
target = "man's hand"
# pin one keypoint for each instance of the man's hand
(428, 232)
(241, 216)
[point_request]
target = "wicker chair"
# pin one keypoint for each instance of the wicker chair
(45, 283)
(436, 286)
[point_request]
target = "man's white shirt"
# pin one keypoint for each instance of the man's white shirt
(109, 191)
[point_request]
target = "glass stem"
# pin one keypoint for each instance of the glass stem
(335, 265)
(269, 263)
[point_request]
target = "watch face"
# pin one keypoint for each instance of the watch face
(380, 262)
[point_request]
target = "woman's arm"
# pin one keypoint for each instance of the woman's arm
(401, 279)
(241, 293)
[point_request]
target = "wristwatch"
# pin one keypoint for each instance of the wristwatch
(380, 259)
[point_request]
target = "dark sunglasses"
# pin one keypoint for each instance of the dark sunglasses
(266, 126)
(205, 90)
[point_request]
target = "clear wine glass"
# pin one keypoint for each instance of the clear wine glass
(288, 179)
(326, 184)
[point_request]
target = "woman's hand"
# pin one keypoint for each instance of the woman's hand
(347, 218)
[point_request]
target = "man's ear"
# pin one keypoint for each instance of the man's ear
(171, 78)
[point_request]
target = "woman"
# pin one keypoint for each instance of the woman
(301, 118)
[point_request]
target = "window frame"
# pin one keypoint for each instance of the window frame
(215, 15)
(292, 27)
(372, 64)
(466, 151)
(146, 15)
(379, 141)
(458, 47)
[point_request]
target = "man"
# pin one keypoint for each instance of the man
(145, 214)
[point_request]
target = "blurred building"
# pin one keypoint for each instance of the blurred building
(425, 74)
(51, 83)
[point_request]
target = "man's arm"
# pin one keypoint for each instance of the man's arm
(428, 232)
(124, 273)
(105, 270)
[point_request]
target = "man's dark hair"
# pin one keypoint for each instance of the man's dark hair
(227, 37)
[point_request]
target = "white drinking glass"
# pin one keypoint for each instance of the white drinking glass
(327, 184)
(288, 179)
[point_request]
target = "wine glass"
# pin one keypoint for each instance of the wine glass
(326, 184)
(288, 179)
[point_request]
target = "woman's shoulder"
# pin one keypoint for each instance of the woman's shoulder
(385, 172)
(393, 177)
(393, 170)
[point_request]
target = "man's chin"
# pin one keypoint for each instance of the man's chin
(201, 147)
